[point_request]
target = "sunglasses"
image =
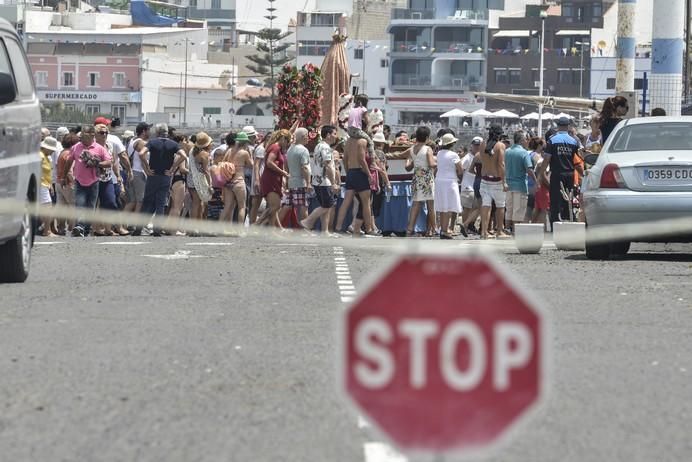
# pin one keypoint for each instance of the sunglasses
(102, 133)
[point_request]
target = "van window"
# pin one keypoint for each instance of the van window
(5, 67)
(22, 77)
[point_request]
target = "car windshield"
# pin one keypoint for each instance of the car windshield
(663, 136)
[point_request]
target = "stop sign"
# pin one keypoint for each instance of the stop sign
(443, 354)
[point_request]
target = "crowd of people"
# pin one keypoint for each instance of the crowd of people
(484, 188)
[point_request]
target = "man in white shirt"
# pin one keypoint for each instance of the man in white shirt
(324, 180)
(470, 203)
(257, 152)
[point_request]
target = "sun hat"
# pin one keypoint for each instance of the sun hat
(102, 121)
(477, 140)
(203, 140)
(448, 139)
(49, 143)
(128, 134)
(379, 138)
(250, 130)
(61, 132)
(242, 137)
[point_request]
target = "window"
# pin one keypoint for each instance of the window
(119, 110)
(68, 79)
(564, 77)
(70, 107)
(501, 76)
(597, 10)
(41, 79)
(215, 4)
(515, 76)
(384, 63)
(313, 47)
(358, 53)
(211, 110)
(22, 77)
(92, 109)
(118, 80)
(638, 84)
(93, 79)
(383, 90)
(610, 84)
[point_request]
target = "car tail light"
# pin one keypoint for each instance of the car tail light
(612, 177)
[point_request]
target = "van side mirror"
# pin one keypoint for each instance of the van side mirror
(8, 92)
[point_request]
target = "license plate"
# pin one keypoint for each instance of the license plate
(669, 175)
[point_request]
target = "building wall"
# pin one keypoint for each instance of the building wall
(605, 39)
(371, 18)
(603, 72)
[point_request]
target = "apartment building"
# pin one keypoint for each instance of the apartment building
(438, 58)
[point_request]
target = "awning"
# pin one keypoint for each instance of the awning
(573, 32)
(513, 33)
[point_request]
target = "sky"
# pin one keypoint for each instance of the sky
(250, 13)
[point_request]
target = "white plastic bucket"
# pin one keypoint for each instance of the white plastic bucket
(569, 235)
(528, 238)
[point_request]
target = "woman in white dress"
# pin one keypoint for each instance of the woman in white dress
(447, 198)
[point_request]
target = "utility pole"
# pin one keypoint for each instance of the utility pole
(626, 46)
(185, 97)
(180, 97)
(544, 14)
(271, 19)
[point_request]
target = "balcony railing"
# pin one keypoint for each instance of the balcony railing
(410, 80)
(406, 13)
(412, 47)
(457, 47)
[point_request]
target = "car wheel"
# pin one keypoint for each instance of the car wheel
(620, 248)
(597, 251)
(16, 254)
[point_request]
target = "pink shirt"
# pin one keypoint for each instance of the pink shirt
(87, 176)
(355, 117)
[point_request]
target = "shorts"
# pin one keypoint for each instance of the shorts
(357, 180)
(44, 195)
(493, 191)
(542, 199)
(516, 205)
(65, 194)
(469, 200)
(295, 198)
(326, 196)
(135, 190)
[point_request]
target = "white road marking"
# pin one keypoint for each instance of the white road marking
(296, 245)
(178, 255)
(122, 243)
(48, 243)
(347, 290)
(380, 452)
(203, 244)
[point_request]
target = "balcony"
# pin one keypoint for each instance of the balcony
(412, 48)
(466, 50)
(411, 14)
(435, 17)
(457, 83)
(410, 81)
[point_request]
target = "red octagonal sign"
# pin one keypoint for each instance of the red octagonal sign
(443, 354)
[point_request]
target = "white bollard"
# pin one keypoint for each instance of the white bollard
(569, 235)
(528, 237)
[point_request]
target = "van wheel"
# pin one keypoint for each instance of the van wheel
(620, 248)
(597, 251)
(16, 254)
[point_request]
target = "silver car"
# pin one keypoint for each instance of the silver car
(643, 175)
(20, 133)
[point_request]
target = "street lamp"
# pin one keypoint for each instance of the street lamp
(581, 67)
(544, 14)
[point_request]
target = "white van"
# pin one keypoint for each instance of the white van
(20, 165)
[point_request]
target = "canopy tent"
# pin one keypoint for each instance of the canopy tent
(454, 113)
(564, 114)
(549, 116)
(531, 116)
(481, 113)
(505, 114)
(336, 78)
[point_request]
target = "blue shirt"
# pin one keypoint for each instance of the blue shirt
(562, 148)
(517, 160)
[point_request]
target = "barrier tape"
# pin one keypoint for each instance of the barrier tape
(657, 230)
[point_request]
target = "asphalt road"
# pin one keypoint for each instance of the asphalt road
(179, 349)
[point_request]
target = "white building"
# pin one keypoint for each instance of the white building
(603, 72)
(220, 16)
(604, 41)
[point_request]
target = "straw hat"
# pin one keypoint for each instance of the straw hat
(203, 140)
(448, 139)
(49, 143)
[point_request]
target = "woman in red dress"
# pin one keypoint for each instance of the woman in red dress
(275, 173)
